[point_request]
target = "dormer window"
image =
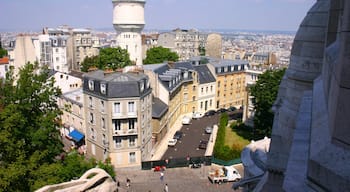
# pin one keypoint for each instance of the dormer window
(142, 86)
(91, 85)
(185, 75)
(103, 88)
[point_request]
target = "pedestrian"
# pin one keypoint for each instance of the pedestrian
(127, 182)
(166, 188)
(161, 176)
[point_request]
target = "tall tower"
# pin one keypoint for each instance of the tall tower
(128, 21)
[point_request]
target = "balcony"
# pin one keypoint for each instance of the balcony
(125, 132)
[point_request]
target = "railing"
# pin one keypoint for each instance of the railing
(176, 162)
(125, 132)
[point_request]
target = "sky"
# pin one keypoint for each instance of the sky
(274, 15)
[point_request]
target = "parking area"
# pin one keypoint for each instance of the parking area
(193, 133)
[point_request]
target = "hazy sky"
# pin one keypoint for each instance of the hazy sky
(283, 15)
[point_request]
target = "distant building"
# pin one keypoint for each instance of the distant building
(149, 41)
(128, 21)
(118, 111)
(185, 43)
(4, 66)
(213, 47)
(22, 52)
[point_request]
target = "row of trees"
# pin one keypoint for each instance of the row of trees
(115, 58)
(31, 152)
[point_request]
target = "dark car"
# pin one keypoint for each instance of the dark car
(232, 108)
(203, 144)
(210, 113)
(178, 135)
(221, 110)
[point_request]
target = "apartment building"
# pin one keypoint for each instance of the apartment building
(185, 43)
(230, 82)
(118, 110)
(206, 89)
(175, 85)
(81, 46)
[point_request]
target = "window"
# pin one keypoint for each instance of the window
(201, 105)
(117, 124)
(193, 98)
(131, 107)
(104, 139)
(211, 88)
(90, 102)
(206, 89)
(202, 90)
(132, 124)
(194, 88)
(210, 103)
(103, 123)
(142, 86)
(103, 88)
(132, 142)
(91, 85)
(218, 84)
(118, 142)
(102, 106)
(91, 118)
(93, 134)
(117, 108)
(132, 157)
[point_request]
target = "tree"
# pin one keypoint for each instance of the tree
(265, 92)
(3, 52)
(159, 55)
(28, 126)
(112, 58)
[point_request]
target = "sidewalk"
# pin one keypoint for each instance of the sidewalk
(211, 142)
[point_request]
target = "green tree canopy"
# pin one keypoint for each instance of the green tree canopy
(159, 55)
(28, 126)
(265, 93)
(112, 58)
(29, 138)
(3, 52)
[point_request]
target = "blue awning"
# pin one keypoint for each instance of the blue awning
(76, 135)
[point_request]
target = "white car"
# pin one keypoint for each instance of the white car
(196, 115)
(186, 120)
(172, 142)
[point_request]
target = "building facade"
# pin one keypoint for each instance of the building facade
(185, 43)
(206, 89)
(230, 82)
(118, 110)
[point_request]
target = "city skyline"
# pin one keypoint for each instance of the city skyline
(274, 15)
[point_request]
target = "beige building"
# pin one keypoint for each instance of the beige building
(213, 46)
(22, 52)
(230, 82)
(175, 90)
(184, 42)
(118, 110)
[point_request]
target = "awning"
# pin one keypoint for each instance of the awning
(76, 135)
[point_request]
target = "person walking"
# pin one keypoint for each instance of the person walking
(161, 176)
(166, 188)
(127, 182)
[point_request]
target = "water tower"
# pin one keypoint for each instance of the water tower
(128, 21)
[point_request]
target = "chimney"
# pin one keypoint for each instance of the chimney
(92, 68)
(171, 64)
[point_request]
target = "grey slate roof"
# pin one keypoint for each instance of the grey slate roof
(158, 108)
(118, 84)
(204, 74)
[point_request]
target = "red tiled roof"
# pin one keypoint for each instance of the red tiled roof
(4, 60)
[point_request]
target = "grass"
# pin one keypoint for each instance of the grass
(233, 140)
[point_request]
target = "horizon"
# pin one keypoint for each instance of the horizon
(247, 15)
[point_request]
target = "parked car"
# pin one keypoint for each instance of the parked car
(172, 142)
(208, 130)
(197, 115)
(221, 110)
(210, 113)
(203, 144)
(232, 108)
(186, 120)
(178, 135)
